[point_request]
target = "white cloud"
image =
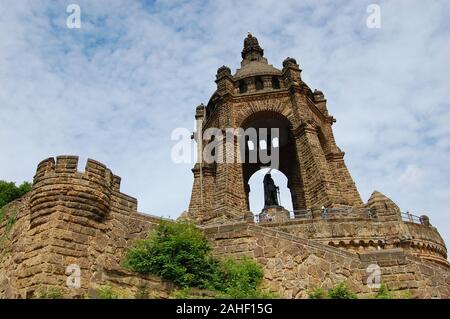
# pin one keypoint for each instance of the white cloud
(412, 177)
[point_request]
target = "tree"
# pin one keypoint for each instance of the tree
(177, 252)
(9, 191)
(181, 253)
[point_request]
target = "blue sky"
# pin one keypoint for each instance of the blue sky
(116, 88)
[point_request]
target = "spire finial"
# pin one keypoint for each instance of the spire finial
(252, 48)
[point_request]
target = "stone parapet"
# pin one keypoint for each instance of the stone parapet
(293, 266)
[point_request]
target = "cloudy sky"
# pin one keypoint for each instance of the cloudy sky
(115, 89)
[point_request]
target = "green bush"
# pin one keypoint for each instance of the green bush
(10, 223)
(191, 293)
(175, 251)
(181, 253)
(406, 294)
(49, 293)
(8, 227)
(184, 293)
(241, 278)
(340, 291)
(106, 292)
(9, 191)
(383, 293)
(317, 293)
(142, 293)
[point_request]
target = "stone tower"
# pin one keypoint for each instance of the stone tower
(261, 96)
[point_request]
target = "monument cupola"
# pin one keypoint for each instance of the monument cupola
(255, 73)
(252, 51)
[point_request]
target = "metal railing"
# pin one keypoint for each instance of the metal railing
(408, 217)
(321, 213)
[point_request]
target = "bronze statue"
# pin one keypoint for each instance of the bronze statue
(270, 191)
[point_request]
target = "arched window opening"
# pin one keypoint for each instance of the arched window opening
(242, 86)
(275, 83)
(259, 84)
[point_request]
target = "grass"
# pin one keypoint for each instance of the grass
(107, 292)
(7, 230)
(49, 293)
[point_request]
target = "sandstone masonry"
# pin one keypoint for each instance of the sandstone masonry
(74, 217)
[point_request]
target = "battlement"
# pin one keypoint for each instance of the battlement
(59, 186)
(68, 164)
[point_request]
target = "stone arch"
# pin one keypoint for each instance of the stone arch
(288, 159)
(278, 108)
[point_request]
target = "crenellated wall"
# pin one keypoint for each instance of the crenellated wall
(69, 217)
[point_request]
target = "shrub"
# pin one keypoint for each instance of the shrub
(49, 293)
(107, 292)
(241, 278)
(406, 294)
(142, 293)
(8, 227)
(190, 293)
(9, 191)
(175, 251)
(184, 293)
(10, 223)
(340, 291)
(317, 293)
(383, 293)
(181, 253)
